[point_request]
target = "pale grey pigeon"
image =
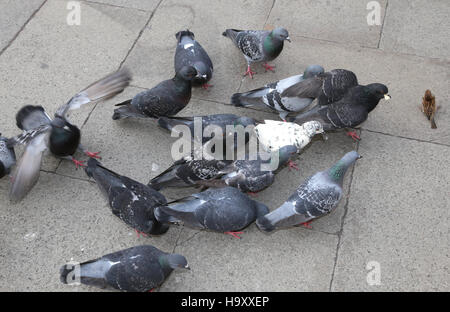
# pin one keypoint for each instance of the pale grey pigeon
(7, 156)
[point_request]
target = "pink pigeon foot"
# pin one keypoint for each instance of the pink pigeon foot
(353, 135)
(292, 165)
(234, 234)
(249, 72)
(139, 233)
(307, 224)
(78, 163)
(268, 67)
(93, 155)
(206, 86)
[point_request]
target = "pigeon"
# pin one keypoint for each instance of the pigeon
(138, 269)
(326, 87)
(165, 99)
(190, 52)
(258, 45)
(315, 197)
(225, 210)
(270, 94)
(188, 172)
(252, 176)
(350, 111)
(7, 156)
(272, 135)
(131, 201)
(59, 135)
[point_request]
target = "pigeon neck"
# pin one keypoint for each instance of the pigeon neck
(164, 262)
(272, 46)
(337, 172)
(182, 86)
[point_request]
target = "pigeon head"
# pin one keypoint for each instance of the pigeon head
(379, 90)
(339, 169)
(312, 128)
(281, 34)
(2, 170)
(313, 70)
(285, 153)
(183, 33)
(188, 73)
(177, 261)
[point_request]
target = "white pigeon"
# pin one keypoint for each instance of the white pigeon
(273, 135)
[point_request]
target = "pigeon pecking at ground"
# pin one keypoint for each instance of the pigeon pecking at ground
(272, 135)
(350, 111)
(7, 156)
(131, 201)
(317, 196)
(138, 269)
(258, 45)
(190, 52)
(225, 210)
(270, 94)
(165, 99)
(326, 87)
(59, 135)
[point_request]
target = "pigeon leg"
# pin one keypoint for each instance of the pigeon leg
(252, 194)
(206, 86)
(306, 224)
(234, 234)
(139, 233)
(292, 165)
(268, 67)
(249, 72)
(353, 135)
(93, 155)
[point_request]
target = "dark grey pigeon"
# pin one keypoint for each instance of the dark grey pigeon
(223, 210)
(190, 52)
(7, 156)
(258, 45)
(165, 99)
(327, 87)
(317, 196)
(131, 201)
(270, 94)
(188, 172)
(141, 268)
(349, 112)
(252, 175)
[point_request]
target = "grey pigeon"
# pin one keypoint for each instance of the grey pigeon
(315, 197)
(190, 52)
(258, 45)
(188, 172)
(138, 269)
(252, 175)
(223, 210)
(270, 94)
(58, 134)
(7, 156)
(165, 99)
(326, 87)
(131, 201)
(350, 111)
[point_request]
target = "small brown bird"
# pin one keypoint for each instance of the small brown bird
(429, 107)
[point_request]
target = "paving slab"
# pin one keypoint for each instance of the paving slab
(406, 76)
(152, 58)
(286, 261)
(49, 228)
(397, 216)
(339, 21)
(417, 27)
(146, 5)
(15, 14)
(51, 61)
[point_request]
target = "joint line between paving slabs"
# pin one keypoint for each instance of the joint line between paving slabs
(338, 246)
(382, 24)
(114, 5)
(22, 28)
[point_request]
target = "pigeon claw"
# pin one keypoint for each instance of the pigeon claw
(78, 163)
(234, 234)
(249, 72)
(206, 86)
(292, 165)
(306, 224)
(353, 135)
(93, 155)
(252, 194)
(268, 67)
(139, 233)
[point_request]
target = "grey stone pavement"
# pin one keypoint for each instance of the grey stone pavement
(394, 219)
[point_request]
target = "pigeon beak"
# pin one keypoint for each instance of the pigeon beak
(359, 157)
(187, 267)
(288, 39)
(387, 97)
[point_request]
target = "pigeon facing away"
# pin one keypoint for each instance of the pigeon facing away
(141, 268)
(252, 175)
(327, 87)
(7, 156)
(272, 135)
(270, 94)
(190, 52)
(258, 45)
(165, 99)
(131, 201)
(223, 210)
(316, 197)
(59, 135)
